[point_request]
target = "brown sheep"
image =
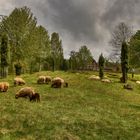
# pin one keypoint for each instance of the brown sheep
(19, 81)
(28, 92)
(35, 97)
(48, 79)
(128, 86)
(4, 86)
(58, 83)
(1, 86)
(41, 79)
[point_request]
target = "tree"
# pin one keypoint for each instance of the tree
(4, 55)
(56, 51)
(39, 48)
(134, 50)
(18, 26)
(101, 62)
(85, 57)
(122, 33)
(73, 60)
(18, 68)
(65, 65)
(124, 62)
(81, 59)
(29, 43)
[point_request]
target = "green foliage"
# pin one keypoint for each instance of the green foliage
(39, 48)
(18, 68)
(4, 51)
(101, 62)
(29, 43)
(124, 62)
(136, 35)
(65, 65)
(73, 61)
(134, 50)
(4, 55)
(81, 59)
(85, 57)
(56, 51)
(18, 26)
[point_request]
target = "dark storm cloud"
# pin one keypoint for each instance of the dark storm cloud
(82, 22)
(79, 20)
(122, 11)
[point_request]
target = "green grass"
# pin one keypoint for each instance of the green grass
(86, 110)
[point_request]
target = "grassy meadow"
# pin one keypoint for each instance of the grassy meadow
(86, 110)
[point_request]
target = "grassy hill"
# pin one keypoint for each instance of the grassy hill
(86, 110)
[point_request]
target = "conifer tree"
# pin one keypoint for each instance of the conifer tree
(101, 66)
(124, 62)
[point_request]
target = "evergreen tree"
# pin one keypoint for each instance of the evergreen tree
(101, 66)
(124, 62)
(4, 56)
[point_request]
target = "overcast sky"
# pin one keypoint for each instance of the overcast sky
(81, 22)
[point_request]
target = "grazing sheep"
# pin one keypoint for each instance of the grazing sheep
(1, 86)
(106, 80)
(94, 77)
(4, 86)
(137, 82)
(41, 79)
(48, 79)
(58, 83)
(128, 86)
(25, 92)
(19, 81)
(58, 78)
(35, 97)
(28, 92)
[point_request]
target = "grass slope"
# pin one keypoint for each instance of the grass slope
(87, 110)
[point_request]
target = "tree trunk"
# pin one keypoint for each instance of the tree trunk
(124, 76)
(4, 72)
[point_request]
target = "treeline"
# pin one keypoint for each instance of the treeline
(26, 46)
